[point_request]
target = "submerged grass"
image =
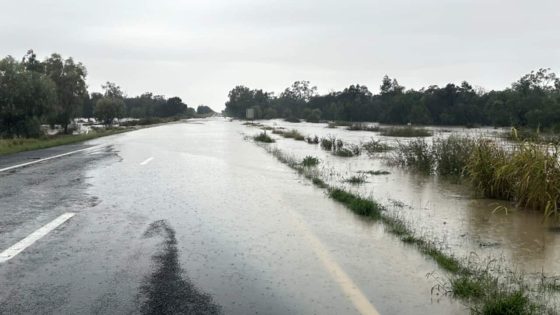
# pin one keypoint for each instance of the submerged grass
(359, 205)
(362, 127)
(376, 172)
(405, 132)
(478, 287)
(355, 180)
(293, 134)
(375, 146)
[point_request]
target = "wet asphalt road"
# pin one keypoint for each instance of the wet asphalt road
(191, 219)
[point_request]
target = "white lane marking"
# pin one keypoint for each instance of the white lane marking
(47, 158)
(352, 291)
(148, 160)
(33, 237)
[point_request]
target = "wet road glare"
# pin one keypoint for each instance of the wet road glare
(210, 224)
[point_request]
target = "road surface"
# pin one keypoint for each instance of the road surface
(190, 218)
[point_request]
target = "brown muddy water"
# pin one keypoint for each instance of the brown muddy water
(438, 209)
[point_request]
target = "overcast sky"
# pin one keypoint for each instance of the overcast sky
(199, 50)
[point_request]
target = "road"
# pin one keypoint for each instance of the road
(190, 218)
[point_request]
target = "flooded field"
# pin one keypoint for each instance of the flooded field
(438, 209)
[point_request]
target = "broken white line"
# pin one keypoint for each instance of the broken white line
(33, 237)
(148, 160)
(46, 159)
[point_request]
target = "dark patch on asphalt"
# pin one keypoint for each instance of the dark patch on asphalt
(167, 290)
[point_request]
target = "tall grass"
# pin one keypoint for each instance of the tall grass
(451, 154)
(528, 173)
(416, 154)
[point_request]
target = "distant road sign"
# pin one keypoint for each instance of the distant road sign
(250, 113)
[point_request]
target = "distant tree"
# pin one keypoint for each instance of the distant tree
(71, 88)
(109, 108)
(204, 110)
(111, 105)
(172, 107)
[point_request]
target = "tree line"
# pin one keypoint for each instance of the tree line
(54, 91)
(532, 101)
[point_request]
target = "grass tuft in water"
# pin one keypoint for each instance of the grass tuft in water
(312, 140)
(375, 146)
(358, 205)
(293, 134)
(310, 161)
(376, 172)
(263, 137)
(507, 303)
(356, 180)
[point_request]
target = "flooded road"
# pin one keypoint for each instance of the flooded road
(191, 218)
(439, 209)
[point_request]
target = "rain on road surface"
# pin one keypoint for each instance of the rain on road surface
(192, 218)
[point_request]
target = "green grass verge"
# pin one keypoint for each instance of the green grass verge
(11, 146)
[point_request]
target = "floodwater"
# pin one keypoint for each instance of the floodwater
(439, 209)
(251, 233)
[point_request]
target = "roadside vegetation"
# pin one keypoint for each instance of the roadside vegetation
(15, 145)
(38, 95)
(485, 290)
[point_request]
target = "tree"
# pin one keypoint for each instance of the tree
(111, 105)
(71, 88)
(108, 108)
(27, 98)
(204, 110)
(172, 107)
